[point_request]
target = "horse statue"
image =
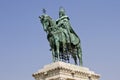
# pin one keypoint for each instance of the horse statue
(58, 43)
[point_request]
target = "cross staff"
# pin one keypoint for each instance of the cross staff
(44, 11)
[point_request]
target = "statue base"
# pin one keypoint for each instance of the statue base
(65, 71)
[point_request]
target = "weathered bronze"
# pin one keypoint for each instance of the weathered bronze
(64, 42)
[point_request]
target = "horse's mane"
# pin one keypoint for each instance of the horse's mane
(51, 21)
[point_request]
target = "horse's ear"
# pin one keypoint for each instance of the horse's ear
(40, 17)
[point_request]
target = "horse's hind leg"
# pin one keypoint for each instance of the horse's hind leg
(75, 58)
(79, 54)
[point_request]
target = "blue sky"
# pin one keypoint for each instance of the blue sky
(24, 48)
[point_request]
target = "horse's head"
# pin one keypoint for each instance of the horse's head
(46, 21)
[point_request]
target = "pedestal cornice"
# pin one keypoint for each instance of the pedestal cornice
(59, 69)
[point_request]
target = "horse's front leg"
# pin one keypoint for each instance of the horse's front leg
(53, 55)
(58, 52)
(57, 48)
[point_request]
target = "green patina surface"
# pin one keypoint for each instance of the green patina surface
(64, 42)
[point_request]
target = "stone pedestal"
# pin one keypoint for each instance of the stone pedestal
(65, 71)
